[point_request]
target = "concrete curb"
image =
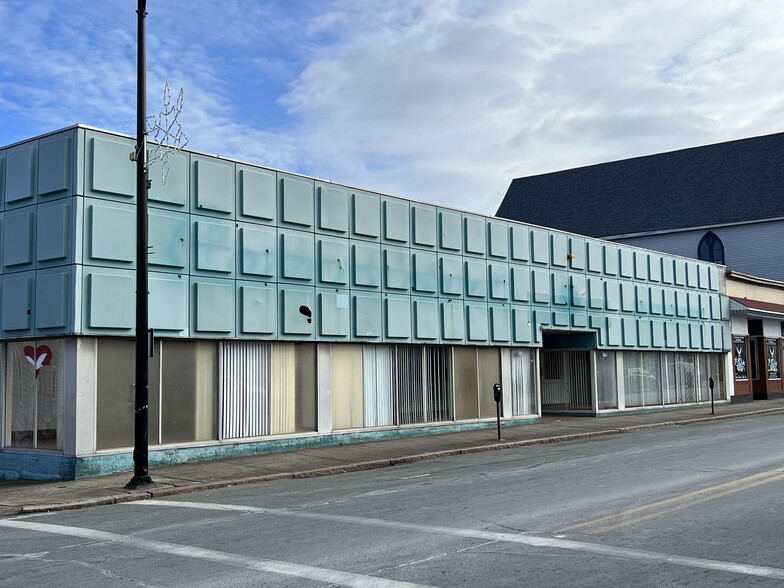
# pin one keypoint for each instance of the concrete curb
(367, 465)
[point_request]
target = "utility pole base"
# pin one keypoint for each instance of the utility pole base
(138, 481)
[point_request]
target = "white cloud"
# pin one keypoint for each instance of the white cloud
(449, 101)
(445, 100)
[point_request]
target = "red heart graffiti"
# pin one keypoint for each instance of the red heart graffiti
(38, 357)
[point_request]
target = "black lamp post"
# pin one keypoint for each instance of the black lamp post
(141, 414)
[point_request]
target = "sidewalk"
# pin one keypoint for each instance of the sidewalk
(25, 497)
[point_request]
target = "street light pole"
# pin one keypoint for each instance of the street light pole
(141, 414)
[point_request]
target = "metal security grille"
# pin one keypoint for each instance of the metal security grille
(580, 380)
(422, 384)
(566, 380)
(245, 384)
(438, 380)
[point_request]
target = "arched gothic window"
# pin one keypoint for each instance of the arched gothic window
(711, 248)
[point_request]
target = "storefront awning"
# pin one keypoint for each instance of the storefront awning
(756, 308)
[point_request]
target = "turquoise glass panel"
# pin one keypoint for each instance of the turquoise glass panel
(703, 280)
(397, 269)
(692, 279)
(213, 186)
(540, 248)
(365, 215)
(169, 303)
(296, 202)
(500, 324)
(644, 332)
(168, 240)
(332, 210)
(451, 276)
(654, 267)
(111, 172)
(595, 293)
(333, 261)
(643, 298)
(594, 255)
(110, 302)
(297, 311)
(521, 319)
(425, 319)
(209, 295)
(521, 283)
(257, 194)
(657, 334)
(54, 240)
(55, 155)
(577, 250)
(614, 331)
(671, 335)
(296, 255)
(257, 305)
(499, 280)
(366, 265)
(498, 233)
(257, 251)
(558, 249)
(423, 224)
(521, 243)
(425, 271)
(640, 265)
(395, 220)
(110, 236)
(610, 259)
(169, 186)
(19, 239)
(20, 175)
(612, 295)
(668, 270)
(627, 263)
(475, 235)
(452, 321)
(450, 233)
(476, 322)
(397, 318)
(657, 306)
(540, 286)
(366, 315)
(579, 291)
(476, 278)
(628, 298)
(629, 331)
(18, 296)
(333, 313)
(53, 293)
(213, 246)
(560, 288)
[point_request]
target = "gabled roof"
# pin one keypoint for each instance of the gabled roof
(703, 186)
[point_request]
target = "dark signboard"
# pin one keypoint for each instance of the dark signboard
(739, 358)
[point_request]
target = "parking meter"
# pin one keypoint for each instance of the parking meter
(497, 398)
(711, 383)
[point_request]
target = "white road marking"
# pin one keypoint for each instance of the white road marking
(241, 561)
(417, 476)
(530, 540)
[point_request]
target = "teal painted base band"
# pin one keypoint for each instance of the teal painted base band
(15, 466)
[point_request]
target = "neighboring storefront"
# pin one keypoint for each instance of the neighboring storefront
(290, 311)
(757, 319)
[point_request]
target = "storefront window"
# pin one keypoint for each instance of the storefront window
(34, 393)
(293, 388)
(606, 380)
(523, 382)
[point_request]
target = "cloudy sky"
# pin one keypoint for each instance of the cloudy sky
(439, 100)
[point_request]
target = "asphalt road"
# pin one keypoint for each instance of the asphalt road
(675, 506)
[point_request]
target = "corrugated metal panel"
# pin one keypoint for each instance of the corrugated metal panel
(245, 383)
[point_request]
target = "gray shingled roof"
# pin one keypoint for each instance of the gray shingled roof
(702, 186)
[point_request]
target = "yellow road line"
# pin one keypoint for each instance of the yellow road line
(704, 495)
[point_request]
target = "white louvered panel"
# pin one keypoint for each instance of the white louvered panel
(245, 389)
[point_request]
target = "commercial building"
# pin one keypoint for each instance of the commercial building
(290, 311)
